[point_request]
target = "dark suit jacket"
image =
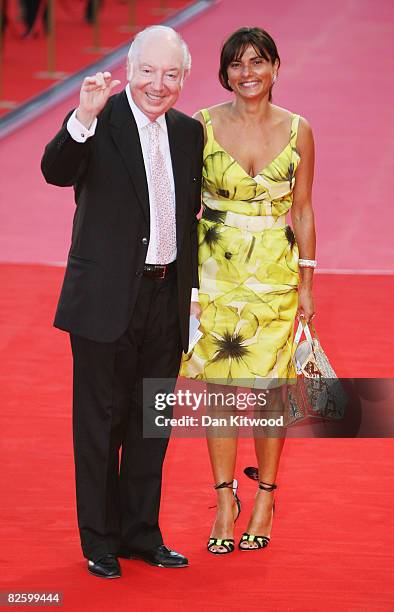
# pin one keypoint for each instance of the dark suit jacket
(111, 222)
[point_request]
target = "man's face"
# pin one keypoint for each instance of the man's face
(156, 75)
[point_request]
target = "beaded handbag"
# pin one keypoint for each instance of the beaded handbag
(317, 392)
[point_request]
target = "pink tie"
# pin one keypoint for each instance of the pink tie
(163, 199)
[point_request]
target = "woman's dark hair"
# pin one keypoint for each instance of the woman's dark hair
(235, 45)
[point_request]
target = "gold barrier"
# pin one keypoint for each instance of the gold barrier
(163, 9)
(96, 48)
(50, 73)
(132, 25)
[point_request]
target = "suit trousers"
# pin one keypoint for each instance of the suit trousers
(118, 494)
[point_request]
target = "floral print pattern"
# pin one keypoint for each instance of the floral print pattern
(248, 279)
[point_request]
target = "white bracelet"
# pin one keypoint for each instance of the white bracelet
(307, 263)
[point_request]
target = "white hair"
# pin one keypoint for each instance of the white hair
(140, 37)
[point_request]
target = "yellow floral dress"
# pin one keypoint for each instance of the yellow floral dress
(248, 268)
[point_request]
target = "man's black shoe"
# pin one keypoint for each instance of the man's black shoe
(105, 567)
(161, 556)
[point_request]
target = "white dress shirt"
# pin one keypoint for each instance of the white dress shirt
(80, 133)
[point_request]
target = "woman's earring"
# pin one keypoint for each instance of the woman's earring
(274, 79)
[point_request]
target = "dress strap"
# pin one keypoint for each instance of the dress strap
(208, 122)
(294, 130)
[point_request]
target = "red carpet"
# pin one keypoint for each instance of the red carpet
(331, 533)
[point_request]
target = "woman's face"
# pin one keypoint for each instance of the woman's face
(251, 76)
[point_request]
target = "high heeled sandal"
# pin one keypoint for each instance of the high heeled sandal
(261, 541)
(226, 543)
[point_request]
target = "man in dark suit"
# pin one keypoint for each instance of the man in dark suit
(135, 165)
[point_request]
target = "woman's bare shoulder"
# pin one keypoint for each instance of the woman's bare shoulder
(304, 127)
(281, 114)
(305, 135)
(305, 141)
(286, 114)
(217, 112)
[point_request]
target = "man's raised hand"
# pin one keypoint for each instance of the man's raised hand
(95, 91)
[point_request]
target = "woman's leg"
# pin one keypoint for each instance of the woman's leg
(222, 453)
(268, 452)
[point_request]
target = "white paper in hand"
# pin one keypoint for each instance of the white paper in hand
(194, 332)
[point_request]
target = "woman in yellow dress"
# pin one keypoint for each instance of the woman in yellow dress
(255, 273)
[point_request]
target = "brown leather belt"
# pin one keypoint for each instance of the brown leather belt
(159, 272)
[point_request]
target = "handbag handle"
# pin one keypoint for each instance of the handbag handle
(303, 327)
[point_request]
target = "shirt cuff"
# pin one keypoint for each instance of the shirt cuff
(78, 131)
(195, 295)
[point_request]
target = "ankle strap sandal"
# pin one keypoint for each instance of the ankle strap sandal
(226, 543)
(266, 486)
(258, 541)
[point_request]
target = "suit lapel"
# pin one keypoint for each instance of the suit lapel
(124, 132)
(125, 135)
(180, 158)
